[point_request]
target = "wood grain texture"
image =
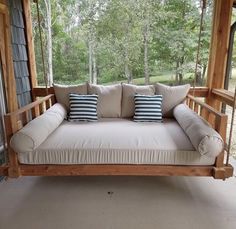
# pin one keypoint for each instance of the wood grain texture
(4, 170)
(206, 106)
(199, 91)
(30, 43)
(134, 170)
(120, 170)
(219, 48)
(6, 58)
(224, 96)
(41, 91)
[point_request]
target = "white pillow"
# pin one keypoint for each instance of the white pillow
(203, 137)
(62, 92)
(172, 96)
(109, 99)
(128, 92)
(36, 131)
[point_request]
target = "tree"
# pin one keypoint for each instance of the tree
(49, 41)
(103, 41)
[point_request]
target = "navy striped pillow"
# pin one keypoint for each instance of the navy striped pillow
(83, 107)
(148, 108)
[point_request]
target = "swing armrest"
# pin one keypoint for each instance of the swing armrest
(14, 121)
(215, 118)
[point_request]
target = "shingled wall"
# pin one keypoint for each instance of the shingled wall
(20, 56)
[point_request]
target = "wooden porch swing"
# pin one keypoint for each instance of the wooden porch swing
(220, 170)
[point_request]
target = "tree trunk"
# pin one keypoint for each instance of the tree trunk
(177, 73)
(90, 62)
(49, 41)
(198, 75)
(204, 72)
(128, 74)
(94, 66)
(145, 44)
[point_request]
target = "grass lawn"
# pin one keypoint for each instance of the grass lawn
(164, 77)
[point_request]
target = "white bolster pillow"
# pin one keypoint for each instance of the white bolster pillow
(36, 131)
(202, 136)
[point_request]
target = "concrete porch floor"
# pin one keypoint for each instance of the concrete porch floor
(118, 202)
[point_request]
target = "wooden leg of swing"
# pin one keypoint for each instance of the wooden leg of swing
(14, 168)
(219, 173)
(222, 171)
(219, 170)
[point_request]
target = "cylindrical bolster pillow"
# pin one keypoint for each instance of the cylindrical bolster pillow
(203, 137)
(36, 131)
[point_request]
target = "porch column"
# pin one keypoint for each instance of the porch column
(219, 48)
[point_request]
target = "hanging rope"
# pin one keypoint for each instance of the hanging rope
(231, 129)
(203, 7)
(41, 47)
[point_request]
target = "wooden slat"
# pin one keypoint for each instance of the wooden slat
(224, 96)
(134, 170)
(124, 170)
(199, 92)
(118, 170)
(41, 91)
(196, 107)
(220, 126)
(35, 112)
(30, 43)
(30, 106)
(206, 106)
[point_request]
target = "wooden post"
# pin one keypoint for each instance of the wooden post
(14, 169)
(221, 124)
(219, 48)
(219, 170)
(30, 43)
(6, 58)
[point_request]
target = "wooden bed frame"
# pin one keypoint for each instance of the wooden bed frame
(16, 120)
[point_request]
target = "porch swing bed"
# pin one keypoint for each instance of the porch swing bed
(190, 140)
(43, 143)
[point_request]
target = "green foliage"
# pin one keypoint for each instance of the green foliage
(116, 28)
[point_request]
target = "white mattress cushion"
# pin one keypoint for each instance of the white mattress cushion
(203, 137)
(116, 141)
(35, 132)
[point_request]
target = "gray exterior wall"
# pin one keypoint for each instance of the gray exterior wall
(20, 56)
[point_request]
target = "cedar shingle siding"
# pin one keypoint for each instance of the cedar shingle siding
(20, 56)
